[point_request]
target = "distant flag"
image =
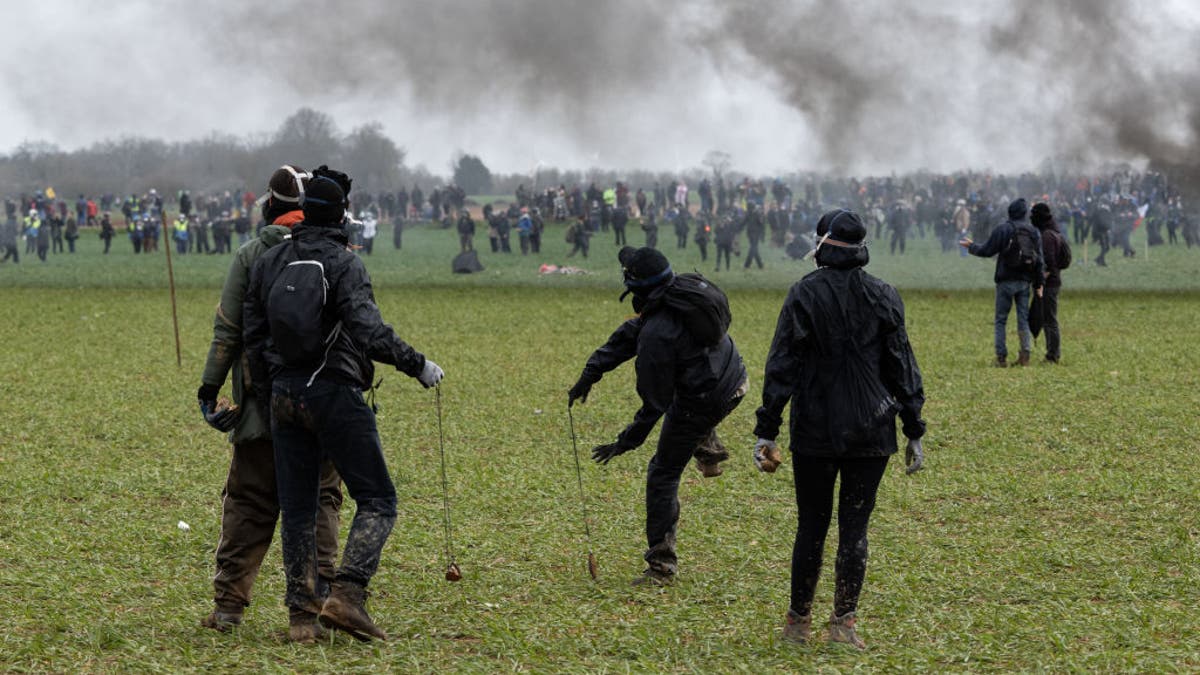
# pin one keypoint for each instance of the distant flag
(1141, 215)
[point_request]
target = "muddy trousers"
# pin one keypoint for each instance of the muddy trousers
(814, 478)
(249, 509)
(310, 425)
(684, 435)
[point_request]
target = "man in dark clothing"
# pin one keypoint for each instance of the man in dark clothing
(899, 221)
(725, 235)
(1102, 222)
(650, 228)
(841, 356)
(249, 500)
(1012, 280)
(317, 408)
(1053, 252)
(466, 231)
(8, 239)
(695, 383)
(755, 230)
(620, 219)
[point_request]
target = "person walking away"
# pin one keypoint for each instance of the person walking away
(71, 234)
(1102, 223)
(841, 356)
(725, 236)
(1017, 247)
(312, 332)
(650, 228)
(466, 231)
(250, 498)
(8, 239)
(539, 226)
(1056, 253)
(620, 220)
(688, 370)
(107, 232)
(755, 230)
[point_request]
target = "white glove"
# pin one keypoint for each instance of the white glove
(766, 455)
(430, 375)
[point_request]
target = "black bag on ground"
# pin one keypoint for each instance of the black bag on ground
(1021, 252)
(466, 263)
(295, 311)
(702, 306)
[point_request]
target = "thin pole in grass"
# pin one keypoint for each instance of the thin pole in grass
(171, 280)
(593, 568)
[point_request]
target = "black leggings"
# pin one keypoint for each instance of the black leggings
(814, 500)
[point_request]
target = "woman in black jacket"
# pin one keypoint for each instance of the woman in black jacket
(841, 356)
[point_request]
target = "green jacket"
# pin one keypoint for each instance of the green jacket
(226, 350)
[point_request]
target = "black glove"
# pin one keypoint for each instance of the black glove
(223, 419)
(579, 392)
(914, 456)
(602, 453)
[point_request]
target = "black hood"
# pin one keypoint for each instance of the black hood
(842, 257)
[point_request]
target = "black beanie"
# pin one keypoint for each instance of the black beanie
(645, 269)
(842, 225)
(324, 202)
(1018, 208)
(1040, 215)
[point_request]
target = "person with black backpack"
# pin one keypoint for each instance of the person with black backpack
(1017, 246)
(841, 357)
(688, 370)
(312, 332)
(1056, 251)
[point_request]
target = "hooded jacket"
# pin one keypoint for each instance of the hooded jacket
(363, 337)
(841, 356)
(675, 374)
(998, 241)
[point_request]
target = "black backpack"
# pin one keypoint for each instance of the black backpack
(1021, 253)
(295, 312)
(702, 306)
(1064, 252)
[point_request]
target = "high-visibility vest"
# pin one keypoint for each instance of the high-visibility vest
(33, 224)
(181, 226)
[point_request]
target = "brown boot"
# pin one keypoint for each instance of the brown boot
(221, 620)
(841, 629)
(798, 629)
(1023, 358)
(345, 610)
(303, 627)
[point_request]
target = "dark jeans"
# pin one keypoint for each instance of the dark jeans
(814, 479)
(684, 435)
(1009, 293)
(249, 509)
(310, 424)
(752, 255)
(619, 234)
(1050, 322)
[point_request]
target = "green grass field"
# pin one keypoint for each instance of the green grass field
(1054, 527)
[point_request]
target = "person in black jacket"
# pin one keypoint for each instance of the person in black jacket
(693, 384)
(317, 410)
(841, 356)
(1012, 283)
(1053, 244)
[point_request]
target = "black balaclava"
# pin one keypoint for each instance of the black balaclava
(645, 270)
(325, 201)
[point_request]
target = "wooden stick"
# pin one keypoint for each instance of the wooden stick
(171, 280)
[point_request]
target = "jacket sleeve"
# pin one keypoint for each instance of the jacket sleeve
(226, 345)
(256, 331)
(995, 243)
(620, 347)
(1039, 274)
(362, 321)
(655, 386)
(784, 362)
(900, 373)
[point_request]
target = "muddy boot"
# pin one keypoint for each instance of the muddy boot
(345, 610)
(303, 627)
(653, 577)
(710, 454)
(798, 629)
(222, 620)
(1001, 362)
(1023, 358)
(841, 629)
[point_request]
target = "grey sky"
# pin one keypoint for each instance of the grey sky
(855, 86)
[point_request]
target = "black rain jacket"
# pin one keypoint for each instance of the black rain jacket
(675, 374)
(364, 336)
(841, 356)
